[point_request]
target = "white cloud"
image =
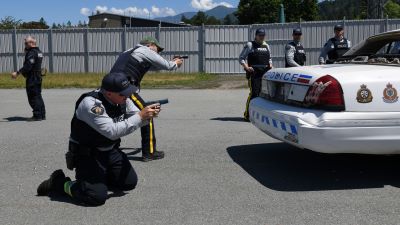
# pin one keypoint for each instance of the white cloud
(208, 4)
(85, 11)
(132, 11)
(100, 9)
(117, 11)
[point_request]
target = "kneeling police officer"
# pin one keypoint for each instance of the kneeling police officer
(101, 118)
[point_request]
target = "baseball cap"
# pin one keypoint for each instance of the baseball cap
(151, 40)
(118, 83)
(338, 27)
(297, 31)
(260, 31)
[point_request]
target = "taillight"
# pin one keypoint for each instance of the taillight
(326, 93)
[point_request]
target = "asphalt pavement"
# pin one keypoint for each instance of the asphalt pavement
(218, 170)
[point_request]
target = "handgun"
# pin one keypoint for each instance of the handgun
(181, 57)
(161, 102)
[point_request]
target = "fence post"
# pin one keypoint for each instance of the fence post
(51, 53)
(300, 23)
(14, 47)
(86, 49)
(158, 32)
(123, 39)
(202, 48)
(387, 23)
(250, 36)
(344, 21)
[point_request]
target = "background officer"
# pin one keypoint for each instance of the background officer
(334, 47)
(135, 63)
(32, 71)
(256, 60)
(294, 51)
(101, 118)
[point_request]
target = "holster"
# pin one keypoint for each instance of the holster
(74, 151)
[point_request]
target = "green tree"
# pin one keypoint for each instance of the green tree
(9, 22)
(336, 10)
(258, 11)
(199, 19)
(33, 25)
(69, 24)
(392, 9)
(211, 20)
(230, 19)
(185, 19)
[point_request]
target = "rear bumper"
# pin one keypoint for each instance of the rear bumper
(328, 132)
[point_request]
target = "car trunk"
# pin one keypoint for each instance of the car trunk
(371, 88)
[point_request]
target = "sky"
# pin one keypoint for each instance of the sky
(55, 11)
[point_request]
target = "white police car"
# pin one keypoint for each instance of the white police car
(351, 106)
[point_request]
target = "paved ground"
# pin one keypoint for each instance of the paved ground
(218, 170)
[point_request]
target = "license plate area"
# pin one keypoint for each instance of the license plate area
(284, 92)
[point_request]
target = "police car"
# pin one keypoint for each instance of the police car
(351, 106)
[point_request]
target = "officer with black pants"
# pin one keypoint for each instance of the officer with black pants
(256, 60)
(32, 71)
(135, 63)
(101, 118)
(294, 51)
(334, 47)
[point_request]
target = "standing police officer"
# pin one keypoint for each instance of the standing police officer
(334, 47)
(135, 63)
(294, 52)
(101, 118)
(32, 71)
(256, 60)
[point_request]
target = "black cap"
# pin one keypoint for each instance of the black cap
(260, 31)
(118, 83)
(297, 31)
(338, 27)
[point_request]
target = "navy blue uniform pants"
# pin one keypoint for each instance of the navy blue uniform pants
(97, 172)
(34, 92)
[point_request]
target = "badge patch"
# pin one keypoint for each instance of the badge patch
(32, 61)
(98, 110)
(364, 95)
(390, 94)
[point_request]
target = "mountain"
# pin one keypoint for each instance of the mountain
(218, 12)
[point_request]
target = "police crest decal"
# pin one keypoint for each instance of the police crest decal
(364, 95)
(390, 94)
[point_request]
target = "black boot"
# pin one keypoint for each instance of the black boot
(54, 184)
(156, 155)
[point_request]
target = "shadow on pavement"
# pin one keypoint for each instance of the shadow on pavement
(115, 193)
(282, 167)
(15, 119)
(232, 119)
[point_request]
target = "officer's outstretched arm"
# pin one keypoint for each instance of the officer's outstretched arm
(157, 61)
(93, 113)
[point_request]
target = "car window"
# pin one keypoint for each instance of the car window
(395, 48)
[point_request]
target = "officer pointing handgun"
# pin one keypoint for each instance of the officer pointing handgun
(256, 60)
(32, 71)
(135, 63)
(335, 47)
(294, 51)
(101, 118)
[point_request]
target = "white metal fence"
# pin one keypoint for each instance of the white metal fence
(212, 49)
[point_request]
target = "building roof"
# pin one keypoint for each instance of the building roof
(136, 19)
